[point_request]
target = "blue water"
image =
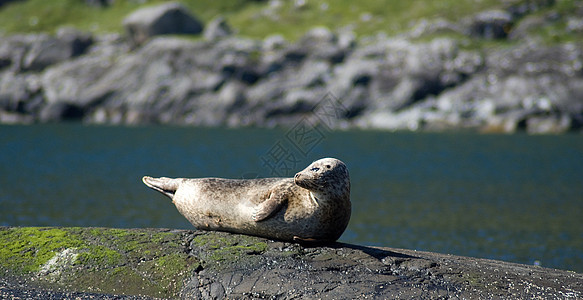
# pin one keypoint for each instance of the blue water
(516, 198)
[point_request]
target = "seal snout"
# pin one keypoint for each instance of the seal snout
(298, 179)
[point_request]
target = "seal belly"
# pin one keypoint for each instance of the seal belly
(221, 204)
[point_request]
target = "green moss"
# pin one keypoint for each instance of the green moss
(210, 241)
(24, 250)
(223, 241)
(100, 256)
(234, 253)
(118, 261)
(167, 271)
(145, 246)
(220, 249)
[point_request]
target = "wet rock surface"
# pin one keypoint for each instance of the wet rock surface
(107, 263)
(405, 82)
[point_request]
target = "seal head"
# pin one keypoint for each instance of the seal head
(327, 176)
(313, 206)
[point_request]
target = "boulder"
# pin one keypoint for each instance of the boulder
(426, 27)
(37, 51)
(494, 24)
(217, 28)
(14, 48)
(47, 50)
(61, 111)
(20, 93)
(167, 18)
(522, 8)
(76, 42)
(549, 124)
(526, 26)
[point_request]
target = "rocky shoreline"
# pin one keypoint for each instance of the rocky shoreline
(105, 263)
(405, 82)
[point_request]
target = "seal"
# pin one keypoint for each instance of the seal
(314, 206)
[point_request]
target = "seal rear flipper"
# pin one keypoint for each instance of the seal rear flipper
(164, 185)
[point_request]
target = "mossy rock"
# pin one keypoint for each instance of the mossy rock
(160, 263)
(115, 261)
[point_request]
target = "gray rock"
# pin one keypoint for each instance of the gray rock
(526, 26)
(77, 42)
(494, 24)
(399, 73)
(20, 94)
(575, 25)
(217, 28)
(552, 124)
(47, 50)
(274, 42)
(395, 83)
(14, 48)
(61, 111)
(209, 265)
(167, 18)
(38, 51)
(15, 118)
(426, 27)
(520, 9)
(44, 52)
(291, 92)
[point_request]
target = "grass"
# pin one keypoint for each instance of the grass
(258, 19)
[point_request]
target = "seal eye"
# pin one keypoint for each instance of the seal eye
(327, 166)
(315, 169)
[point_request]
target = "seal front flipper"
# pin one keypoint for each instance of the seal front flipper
(164, 185)
(269, 207)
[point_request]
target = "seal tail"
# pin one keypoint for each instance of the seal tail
(164, 185)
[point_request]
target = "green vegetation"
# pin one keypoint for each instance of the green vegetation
(27, 249)
(259, 19)
(363, 17)
(228, 248)
(97, 259)
(119, 261)
(556, 31)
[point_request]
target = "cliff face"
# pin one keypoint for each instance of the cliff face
(147, 263)
(433, 77)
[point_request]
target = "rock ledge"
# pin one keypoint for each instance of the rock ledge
(145, 263)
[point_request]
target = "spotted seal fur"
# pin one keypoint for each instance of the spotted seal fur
(313, 206)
